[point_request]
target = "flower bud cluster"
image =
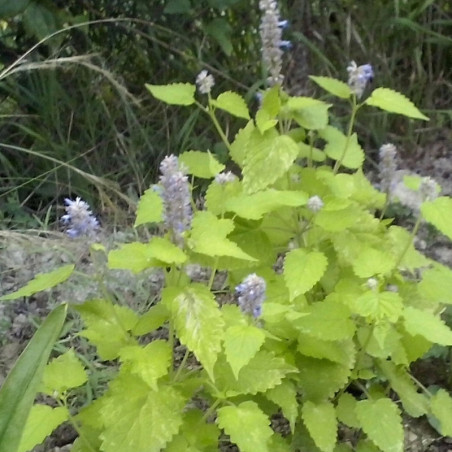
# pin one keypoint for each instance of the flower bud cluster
(79, 218)
(359, 77)
(251, 295)
(428, 189)
(388, 167)
(270, 30)
(225, 177)
(176, 197)
(315, 204)
(205, 82)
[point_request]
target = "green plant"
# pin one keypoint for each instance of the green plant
(345, 313)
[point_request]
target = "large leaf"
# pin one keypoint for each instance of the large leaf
(256, 205)
(201, 164)
(233, 103)
(208, 236)
(441, 404)
(63, 373)
(340, 147)
(285, 396)
(320, 420)
(333, 86)
(327, 320)
(302, 270)
(247, 426)
(428, 325)
(36, 430)
(263, 372)
(415, 404)
(150, 208)
(174, 94)
(268, 156)
(436, 284)
(198, 321)
(379, 305)
(309, 113)
(241, 343)
(107, 326)
(149, 362)
(134, 256)
(19, 389)
(42, 281)
(381, 422)
(438, 213)
(394, 102)
(138, 419)
(370, 262)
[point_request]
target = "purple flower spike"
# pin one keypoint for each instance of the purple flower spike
(251, 295)
(79, 218)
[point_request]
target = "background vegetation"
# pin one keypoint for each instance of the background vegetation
(77, 120)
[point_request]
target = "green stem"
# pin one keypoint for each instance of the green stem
(410, 241)
(212, 275)
(211, 409)
(355, 109)
(182, 364)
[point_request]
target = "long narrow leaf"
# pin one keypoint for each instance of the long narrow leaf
(19, 389)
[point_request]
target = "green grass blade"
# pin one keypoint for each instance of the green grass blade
(19, 389)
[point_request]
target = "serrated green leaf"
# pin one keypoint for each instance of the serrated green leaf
(337, 144)
(271, 101)
(394, 102)
(149, 362)
(165, 251)
(218, 195)
(247, 426)
(42, 281)
(381, 422)
(285, 396)
(201, 164)
(414, 403)
(441, 404)
(370, 262)
(233, 103)
(302, 270)
(310, 152)
(19, 389)
(309, 113)
(263, 372)
(336, 220)
(256, 205)
(240, 144)
(436, 284)
(366, 446)
(341, 352)
(195, 435)
(438, 213)
(107, 326)
(264, 121)
(151, 320)
(333, 86)
(268, 156)
(320, 420)
(208, 236)
(174, 94)
(63, 373)
(320, 379)
(379, 305)
(428, 325)
(36, 430)
(345, 410)
(134, 256)
(241, 343)
(198, 321)
(150, 208)
(139, 419)
(327, 320)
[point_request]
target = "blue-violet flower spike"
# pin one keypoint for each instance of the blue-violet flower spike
(251, 294)
(79, 218)
(359, 77)
(270, 30)
(176, 197)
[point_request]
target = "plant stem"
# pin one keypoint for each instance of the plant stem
(410, 241)
(355, 109)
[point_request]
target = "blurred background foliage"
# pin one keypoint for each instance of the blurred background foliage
(77, 120)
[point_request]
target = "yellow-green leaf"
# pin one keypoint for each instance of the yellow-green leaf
(201, 164)
(233, 103)
(333, 86)
(174, 94)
